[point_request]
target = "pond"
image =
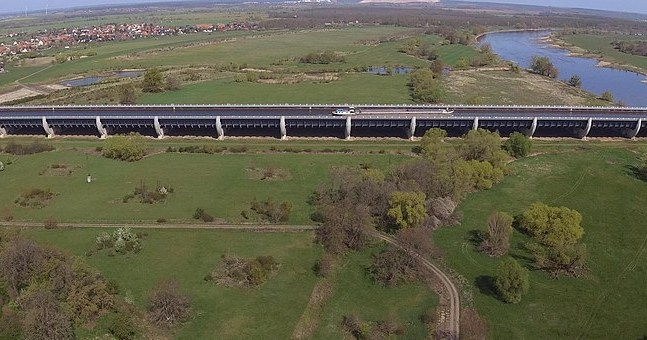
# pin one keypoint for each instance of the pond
(519, 47)
(85, 81)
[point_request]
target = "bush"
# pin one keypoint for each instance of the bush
(29, 149)
(126, 148)
(518, 145)
(511, 281)
(273, 211)
(241, 272)
(325, 265)
(122, 326)
(168, 306)
(35, 198)
(544, 67)
(326, 57)
(50, 222)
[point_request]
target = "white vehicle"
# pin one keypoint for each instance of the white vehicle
(349, 111)
(442, 111)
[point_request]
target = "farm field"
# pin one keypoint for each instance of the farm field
(598, 181)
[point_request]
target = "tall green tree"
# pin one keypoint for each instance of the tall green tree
(518, 145)
(544, 67)
(424, 86)
(407, 208)
(511, 281)
(483, 145)
(552, 226)
(153, 81)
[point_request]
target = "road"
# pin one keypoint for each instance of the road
(452, 296)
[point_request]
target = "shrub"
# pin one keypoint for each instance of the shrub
(126, 148)
(50, 222)
(241, 272)
(122, 326)
(325, 265)
(326, 57)
(168, 306)
(28, 149)
(518, 145)
(35, 198)
(511, 281)
(273, 211)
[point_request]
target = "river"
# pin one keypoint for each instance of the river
(519, 47)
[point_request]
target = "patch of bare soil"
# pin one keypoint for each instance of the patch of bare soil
(59, 170)
(18, 94)
(268, 174)
(34, 62)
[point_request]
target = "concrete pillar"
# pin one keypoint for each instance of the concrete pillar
(533, 127)
(635, 131)
(158, 127)
(219, 130)
(284, 132)
(589, 123)
(48, 130)
(412, 128)
(3, 132)
(102, 130)
(475, 126)
(348, 127)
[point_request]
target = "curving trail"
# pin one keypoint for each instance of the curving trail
(453, 321)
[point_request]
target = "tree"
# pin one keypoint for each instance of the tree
(483, 145)
(544, 67)
(511, 281)
(518, 145)
(424, 87)
(496, 241)
(127, 94)
(19, 263)
(126, 148)
(172, 83)
(407, 209)
(122, 326)
(607, 95)
(561, 260)
(168, 305)
(153, 81)
(45, 318)
(552, 226)
(575, 81)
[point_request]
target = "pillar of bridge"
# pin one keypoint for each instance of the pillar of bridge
(219, 130)
(3, 132)
(636, 130)
(48, 129)
(348, 127)
(158, 127)
(412, 128)
(533, 127)
(475, 126)
(284, 132)
(102, 130)
(589, 123)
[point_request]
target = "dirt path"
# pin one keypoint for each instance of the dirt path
(246, 227)
(452, 323)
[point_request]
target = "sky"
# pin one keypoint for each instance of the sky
(636, 6)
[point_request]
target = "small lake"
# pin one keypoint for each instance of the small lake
(382, 70)
(519, 47)
(85, 81)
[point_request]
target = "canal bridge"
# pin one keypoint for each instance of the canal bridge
(281, 121)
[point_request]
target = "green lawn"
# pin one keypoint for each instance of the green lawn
(270, 311)
(351, 88)
(597, 180)
(218, 183)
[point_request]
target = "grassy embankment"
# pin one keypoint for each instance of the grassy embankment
(598, 181)
(599, 46)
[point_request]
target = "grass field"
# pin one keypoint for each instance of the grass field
(351, 88)
(221, 184)
(596, 180)
(270, 311)
(508, 88)
(600, 46)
